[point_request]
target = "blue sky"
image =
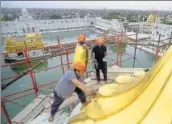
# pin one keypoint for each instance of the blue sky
(143, 5)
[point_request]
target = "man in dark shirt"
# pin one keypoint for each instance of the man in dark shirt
(98, 54)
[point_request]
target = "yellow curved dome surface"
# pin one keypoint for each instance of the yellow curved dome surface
(146, 101)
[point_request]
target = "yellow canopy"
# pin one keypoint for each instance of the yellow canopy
(147, 101)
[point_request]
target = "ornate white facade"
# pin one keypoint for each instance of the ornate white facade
(154, 29)
(21, 27)
(108, 24)
(25, 16)
(163, 30)
(26, 24)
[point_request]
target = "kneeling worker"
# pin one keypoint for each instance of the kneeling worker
(69, 83)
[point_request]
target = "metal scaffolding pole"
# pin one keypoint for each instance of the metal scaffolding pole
(6, 113)
(170, 37)
(135, 49)
(157, 50)
(61, 58)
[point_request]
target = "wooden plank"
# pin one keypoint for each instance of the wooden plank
(109, 76)
(87, 80)
(103, 82)
(47, 104)
(33, 114)
(36, 111)
(117, 70)
(19, 117)
(91, 83)
(128, 69)
(42, 96)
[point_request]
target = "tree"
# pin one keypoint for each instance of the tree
(54, 16)
(4, 18)
(168, 22)
(113, 16)
(7, 18)
(129, 17)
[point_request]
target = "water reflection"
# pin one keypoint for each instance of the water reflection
(120, 49)
(19, 69)
(151, 57)
(69, 36)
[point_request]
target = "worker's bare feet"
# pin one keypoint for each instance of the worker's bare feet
(51, 118)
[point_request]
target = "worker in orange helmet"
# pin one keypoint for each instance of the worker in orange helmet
(81, 50)
(98, 55)
(69, 83)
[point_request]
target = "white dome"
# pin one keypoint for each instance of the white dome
(20, 18)
(30, 18)
(16, 19)
(24, 12)
(25, 16)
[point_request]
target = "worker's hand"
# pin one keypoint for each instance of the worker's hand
(92, 92)
(89, 92)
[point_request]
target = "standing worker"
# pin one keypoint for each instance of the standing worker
(69, 83)
(98, 54)
(81, 50)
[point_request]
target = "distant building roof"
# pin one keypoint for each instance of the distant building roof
(132, 35)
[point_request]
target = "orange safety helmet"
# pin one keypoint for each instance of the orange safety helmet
(99, 40)
(81, 37)
(79, 65)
